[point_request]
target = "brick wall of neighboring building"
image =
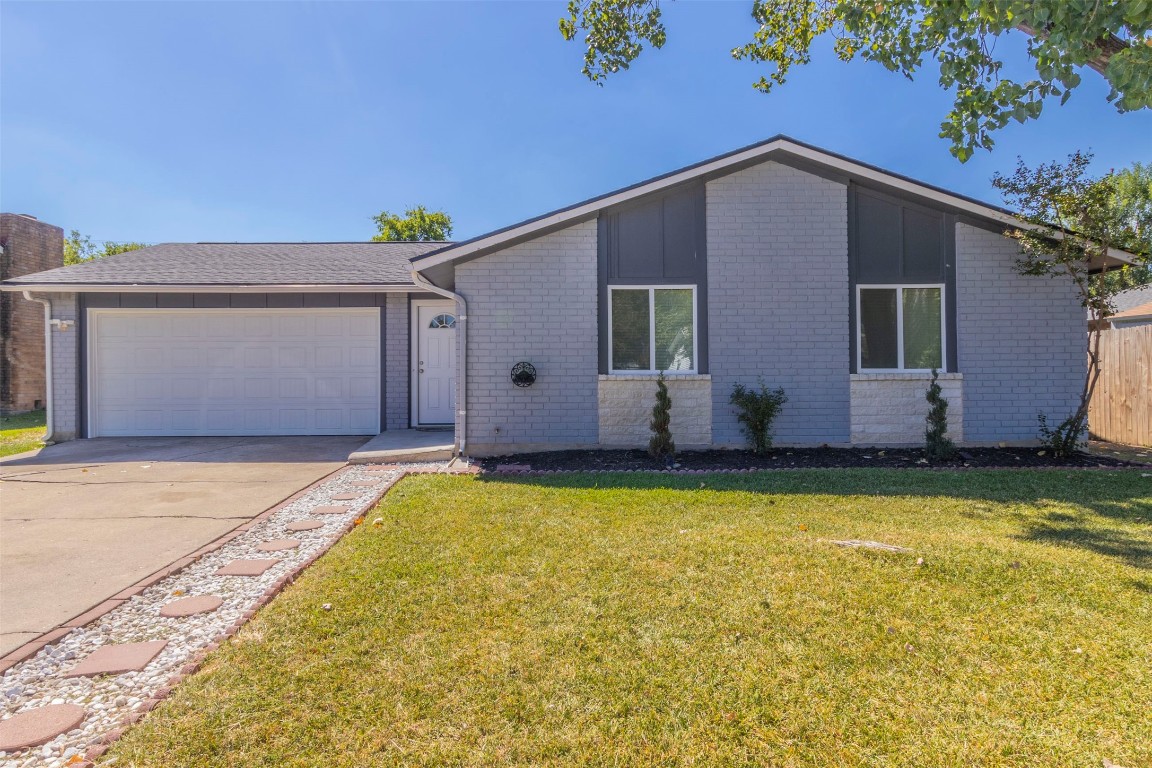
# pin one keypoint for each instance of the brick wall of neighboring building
(29, 246)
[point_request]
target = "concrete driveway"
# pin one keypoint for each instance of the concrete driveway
(83, 520)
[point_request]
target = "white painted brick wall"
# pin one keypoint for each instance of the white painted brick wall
(65, 368)
(1020, 341)
(778, 300)
(397, 361)
(626, 409)
(534, 302)
(890, 409)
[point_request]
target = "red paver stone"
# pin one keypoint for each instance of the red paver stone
(305, 525)
(366, 483)
(332, 510)
(190, 606)
(38, 726)
(277, 545)
(114, 659)
(345, 496)
(245, 567)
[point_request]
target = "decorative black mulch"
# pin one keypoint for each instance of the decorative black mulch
(794, 458)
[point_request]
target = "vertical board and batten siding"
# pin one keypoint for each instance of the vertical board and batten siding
(1121, 408)
(1021, 341)
(778, 299)
(533, 302)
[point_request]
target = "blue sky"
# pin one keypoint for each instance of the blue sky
(183, 121)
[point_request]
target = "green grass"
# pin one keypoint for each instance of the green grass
(22, 432)
(638, 620)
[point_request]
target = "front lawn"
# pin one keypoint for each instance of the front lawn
(22, 432)
(637, 620)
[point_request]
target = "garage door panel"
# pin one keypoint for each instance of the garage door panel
(288, 371)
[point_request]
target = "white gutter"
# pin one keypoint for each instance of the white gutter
(462, 340)
(202, 288)
(49, 426)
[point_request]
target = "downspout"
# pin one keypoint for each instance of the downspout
(462, 339)
(49, 426)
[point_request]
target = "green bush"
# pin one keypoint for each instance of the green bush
(1066, 438)
(937, 445)
(758, 409)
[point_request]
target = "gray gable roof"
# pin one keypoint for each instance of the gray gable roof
(240, 264)
(1132, 298)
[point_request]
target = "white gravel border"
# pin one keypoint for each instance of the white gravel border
(115, 701)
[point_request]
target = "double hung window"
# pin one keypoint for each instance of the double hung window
(653, 329)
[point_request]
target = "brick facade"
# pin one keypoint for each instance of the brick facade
(534, 302)
(29, 246)
(778, 300)
(1021, 341)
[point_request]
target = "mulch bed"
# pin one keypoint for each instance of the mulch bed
(795, 458)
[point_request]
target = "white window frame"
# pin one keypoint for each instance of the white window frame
(900, 287)
(652, 330)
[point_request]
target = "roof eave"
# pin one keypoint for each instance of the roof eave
(717, 166)
(206, 288)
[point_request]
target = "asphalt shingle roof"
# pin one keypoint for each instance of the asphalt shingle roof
(243, 264)
(1132, 297)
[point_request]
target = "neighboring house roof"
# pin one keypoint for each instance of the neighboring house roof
(780, 148)
(1132, 297)
(1137, 315)
(238, 266)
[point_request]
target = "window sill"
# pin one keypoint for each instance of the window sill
(654, 376)
(904, 376)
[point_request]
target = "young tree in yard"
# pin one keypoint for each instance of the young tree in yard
(1113, 38)
(417, 224)
(1072, 224)
(78, 248)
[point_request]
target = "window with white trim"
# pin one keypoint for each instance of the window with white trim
(900, 327)
(652, 329)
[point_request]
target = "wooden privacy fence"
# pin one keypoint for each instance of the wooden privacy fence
(1121, 407)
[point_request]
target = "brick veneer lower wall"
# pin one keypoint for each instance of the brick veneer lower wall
(626, 410)
(890, 408)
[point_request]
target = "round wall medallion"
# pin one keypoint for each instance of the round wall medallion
(523, 374)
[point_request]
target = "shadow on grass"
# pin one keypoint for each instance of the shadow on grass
(1110, 542)
(1105, 500)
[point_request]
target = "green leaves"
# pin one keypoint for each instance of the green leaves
(80, 248)
(416, 225)
(1064, 36)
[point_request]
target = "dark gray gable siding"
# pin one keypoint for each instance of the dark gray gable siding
(656, 240)
(88, 301)
(896, 240)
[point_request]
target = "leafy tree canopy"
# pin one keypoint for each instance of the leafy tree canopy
(79, 248)
(1113, 38)
(417, 224)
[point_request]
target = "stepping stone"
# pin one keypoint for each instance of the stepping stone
(114, 659)
(190, 606)
(245, 567)
(305, 525)
(366, 483)
(333, 510)
(34, 727)
(345, 496)
(277, 545)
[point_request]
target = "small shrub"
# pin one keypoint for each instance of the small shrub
(758, 409)
(661, 447)
(937, 444)
(1066, 438)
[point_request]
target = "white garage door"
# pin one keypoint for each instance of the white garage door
(234, 372)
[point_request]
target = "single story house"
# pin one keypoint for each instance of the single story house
(843, 283)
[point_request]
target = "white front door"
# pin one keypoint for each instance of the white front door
(435, 362)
